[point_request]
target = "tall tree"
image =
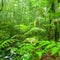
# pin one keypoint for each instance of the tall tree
(52, 11)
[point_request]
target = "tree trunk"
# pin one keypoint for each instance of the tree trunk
(1, 5)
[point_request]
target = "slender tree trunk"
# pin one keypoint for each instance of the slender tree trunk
(49, 31)
(56, 31)
(52, 10)
(1, 5)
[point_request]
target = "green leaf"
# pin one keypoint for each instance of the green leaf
(43, 43)
(49, 46)
(59, 53)
(39, 53)
(54, 50)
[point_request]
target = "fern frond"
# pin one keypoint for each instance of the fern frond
(7, 43)
(43, 43)
(54, 50)
(50, 45)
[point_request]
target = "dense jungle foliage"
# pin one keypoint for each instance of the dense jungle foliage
(29, 29)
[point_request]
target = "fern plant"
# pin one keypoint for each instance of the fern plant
(43, 47)
(27, 43)
(49, 46)
(7, 43)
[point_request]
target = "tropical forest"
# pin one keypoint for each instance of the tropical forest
(29, 29)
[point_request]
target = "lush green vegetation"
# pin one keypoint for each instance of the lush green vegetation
(29, 29)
